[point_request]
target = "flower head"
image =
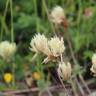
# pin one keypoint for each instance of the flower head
(57, 15)
(64, 70)
(8, 77)
(39, 44)
(56, 46)
(93, 68)
(94, 59)
(7, 50)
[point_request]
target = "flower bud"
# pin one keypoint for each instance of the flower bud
(64, 70)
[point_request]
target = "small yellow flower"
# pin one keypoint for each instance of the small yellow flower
(8, 77)
(36, 75)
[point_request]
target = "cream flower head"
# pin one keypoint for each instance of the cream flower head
(57, 15)
(93, 68)
(39, 44)
(56, 46)
(94, 59)
(64, 70)
(7, 49)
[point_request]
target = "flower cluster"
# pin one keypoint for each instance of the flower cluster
(7, 49)
(52, 48)
(93, 68)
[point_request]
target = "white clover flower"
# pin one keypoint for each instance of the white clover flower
(94, 59)
(93, 68)
(57, 15)
(40, 44)
(64, 70)
(56, 46)
(7, 49)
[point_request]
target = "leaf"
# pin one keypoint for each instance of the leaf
(88, 54)
(41, 84)
(77, 69)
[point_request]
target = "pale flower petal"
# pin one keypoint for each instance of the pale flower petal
(56, 46)
(40, 44)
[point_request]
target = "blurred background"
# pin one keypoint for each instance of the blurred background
(28, 17)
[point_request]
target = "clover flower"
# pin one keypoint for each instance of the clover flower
(57, 15)
(64, 70)
(7, 50)
(93, 67)
(39, 44)
(94, 59)
(56, 46)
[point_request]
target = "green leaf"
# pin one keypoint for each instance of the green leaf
(88, 54)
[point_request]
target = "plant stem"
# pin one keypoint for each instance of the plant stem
(44, 4)
(36, 13)
(70, 47)
(13, 71)
(84, 83)
(1, 35)
(12, 29)
(63, 85)
(50, 94)
(3, 21)
(80, 88)
(73, 87)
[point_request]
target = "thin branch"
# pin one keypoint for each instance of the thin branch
(63, 85)
(74, 89)
(80, 87)
(84, 83)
